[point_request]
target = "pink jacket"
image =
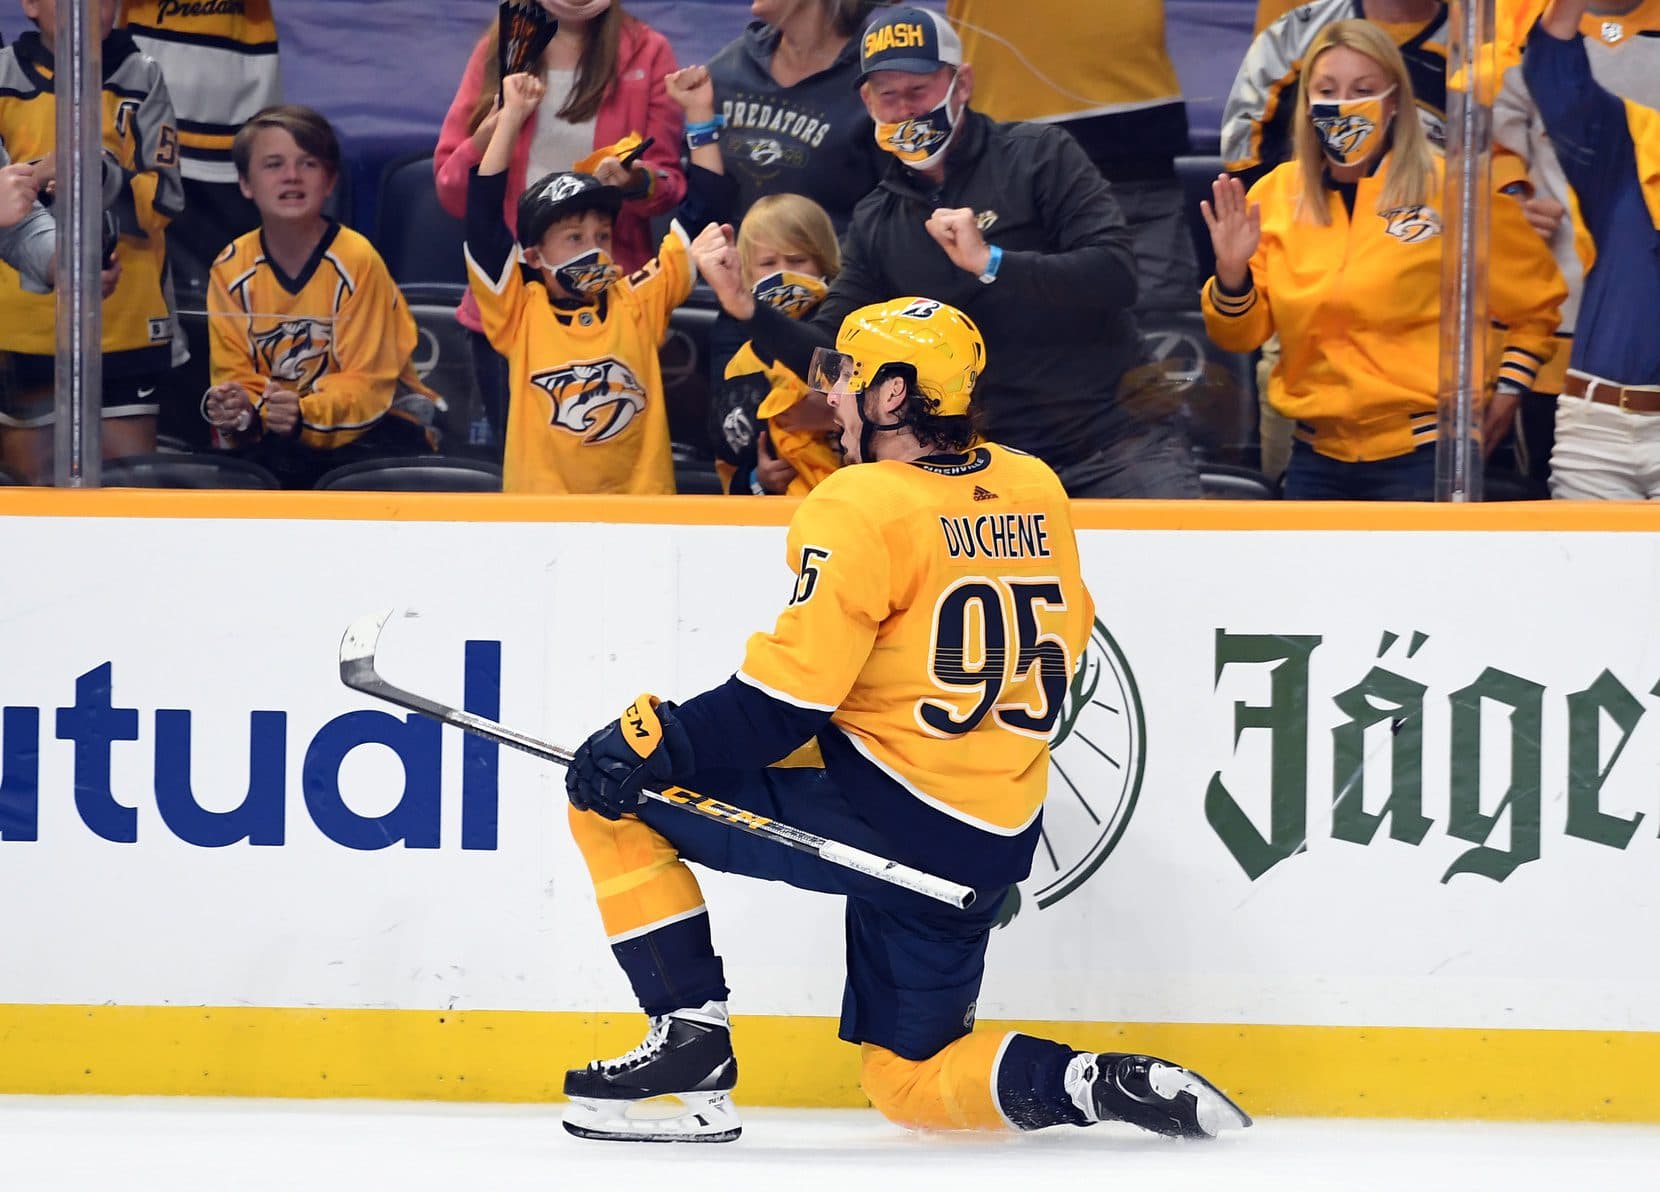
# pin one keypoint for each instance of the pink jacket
(636, 102)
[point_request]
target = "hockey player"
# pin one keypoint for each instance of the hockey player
(586, 410)
(311, 338)
(924, 657)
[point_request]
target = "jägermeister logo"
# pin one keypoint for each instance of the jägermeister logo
(1494, 723)
(1096, 760)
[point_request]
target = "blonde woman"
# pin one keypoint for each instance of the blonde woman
(1339, 251)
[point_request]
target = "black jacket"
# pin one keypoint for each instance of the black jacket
(1057, 321)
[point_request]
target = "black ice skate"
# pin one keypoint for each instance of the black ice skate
(674, 1087)
(1151, 1093)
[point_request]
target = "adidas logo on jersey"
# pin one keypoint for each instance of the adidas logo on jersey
(981, 494)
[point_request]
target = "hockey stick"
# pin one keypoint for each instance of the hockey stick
(357, 671)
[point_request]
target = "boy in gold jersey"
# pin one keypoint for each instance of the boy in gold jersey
(586, 410)
(927, 650)
(311, 339)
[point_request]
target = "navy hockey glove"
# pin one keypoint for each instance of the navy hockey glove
(647, 747)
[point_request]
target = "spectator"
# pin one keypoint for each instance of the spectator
(1264, 103)
(1607, 429)
(141, 194)
(587, 410)
(1262, 109)
(788, 112)
(772, 434)
(1103, 73)
(220, 63)
(1339, 251)
(1621, 44)
(311, 339)
(1010, 223)
(604, 74)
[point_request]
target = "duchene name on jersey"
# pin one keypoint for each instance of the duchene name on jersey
(996, 536)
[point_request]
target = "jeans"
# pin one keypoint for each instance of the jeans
(1314, 477)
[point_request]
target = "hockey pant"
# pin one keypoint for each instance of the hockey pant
(913, 965)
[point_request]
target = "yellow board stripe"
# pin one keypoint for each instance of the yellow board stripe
(1500, 516)
(502, 1055)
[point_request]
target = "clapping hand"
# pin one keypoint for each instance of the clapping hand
(521, 94)
(693, 90)
(612, 172)
(1235, 231)
(716, 252)
(956, 230)
(19, 187)
(774, 474)
(281, 409)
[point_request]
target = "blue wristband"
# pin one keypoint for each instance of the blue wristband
(992, 263)
(704, 132)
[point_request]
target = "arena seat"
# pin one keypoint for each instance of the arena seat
(414, 474)
(694, 471)
(1196, 174)
(171, 470)
(419, 241)
(443, 359)
(1223, 482)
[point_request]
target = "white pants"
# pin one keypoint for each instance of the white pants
(1604, 453)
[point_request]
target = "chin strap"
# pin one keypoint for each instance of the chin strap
(868, 429)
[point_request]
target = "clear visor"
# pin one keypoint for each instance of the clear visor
(831, 371)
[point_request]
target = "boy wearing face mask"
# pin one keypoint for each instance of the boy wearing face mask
(586, 408)
(1339, 252)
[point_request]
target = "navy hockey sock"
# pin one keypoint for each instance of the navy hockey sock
(1031, 1084)
(673, 966)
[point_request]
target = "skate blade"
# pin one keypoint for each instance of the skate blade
(1216, 1110)
(688, 1117)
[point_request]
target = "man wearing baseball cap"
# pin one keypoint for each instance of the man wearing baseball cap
(1010, 223)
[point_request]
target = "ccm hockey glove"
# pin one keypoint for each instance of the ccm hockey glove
(647, 747)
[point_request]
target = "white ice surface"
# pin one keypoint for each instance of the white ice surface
(97, 1144)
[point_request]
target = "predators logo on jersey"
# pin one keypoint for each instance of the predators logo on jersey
(597, 399)
(1411, 225)
(294, 350)
(1344, 135)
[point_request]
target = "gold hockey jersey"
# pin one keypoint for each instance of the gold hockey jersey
(586, 409)
(141, 189)
(938, 615)
(339, 334)
(220, 59)
(1357, 305)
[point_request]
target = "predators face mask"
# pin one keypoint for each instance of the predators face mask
(921, 142)
(1349, 129)
(589, 273)
(793, 294)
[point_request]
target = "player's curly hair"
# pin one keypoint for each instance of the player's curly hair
(919, 414)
